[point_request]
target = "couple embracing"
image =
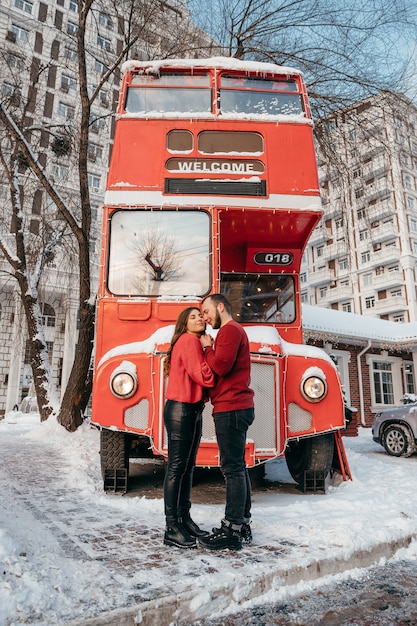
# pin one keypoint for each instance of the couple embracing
(197, 364)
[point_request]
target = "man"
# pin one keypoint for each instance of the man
(233, 413)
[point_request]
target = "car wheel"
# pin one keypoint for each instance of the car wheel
(398, 440)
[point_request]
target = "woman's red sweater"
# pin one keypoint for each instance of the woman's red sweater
(188, 372)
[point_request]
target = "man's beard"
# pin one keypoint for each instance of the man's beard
(217, 321)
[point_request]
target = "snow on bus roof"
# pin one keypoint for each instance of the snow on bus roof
(228, 63)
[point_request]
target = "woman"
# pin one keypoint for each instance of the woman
(189, 374)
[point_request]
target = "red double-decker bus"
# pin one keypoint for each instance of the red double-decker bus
(212, 187)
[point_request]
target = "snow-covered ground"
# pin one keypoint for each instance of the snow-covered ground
(68, 551)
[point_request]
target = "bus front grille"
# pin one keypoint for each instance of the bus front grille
(215, 187)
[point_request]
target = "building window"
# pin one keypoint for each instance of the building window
(407, 182)
(104, 43)
(48, 315)
(361, 214)
(370, 302)
(320, 250)
(94, 182)
(304, 297)
(100, 67)
(343, 264)
(367, 280)
(68, 83)
(303, 277)
(396, 293)
(70, 55)
(365, 257)
(399, 319)
(24, 5)
(59, 171)
(22, 35)
(73, 6)
(65, 110)
(383, 385)
(413, 225)
(357, 172)
(363, 234)
(105, 20)
(72, 28)
(359, 192)
(323, 292)
(339, 223)
(410, 202)
(347, 307)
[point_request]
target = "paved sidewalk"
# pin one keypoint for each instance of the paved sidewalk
(95, 541)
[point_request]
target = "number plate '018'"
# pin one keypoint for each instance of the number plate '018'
(273, 258)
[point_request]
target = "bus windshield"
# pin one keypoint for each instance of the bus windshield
(159, 253)
(260, 297)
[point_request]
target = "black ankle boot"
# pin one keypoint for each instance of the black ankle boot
(191, 527)
(176, 535)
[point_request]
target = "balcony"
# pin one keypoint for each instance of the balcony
(339, 293)
(387, 280)
(382, 194)
(319, 235)
(390, 305)
(320, 277)
(383, 232)
(335, 250)
(389, 254)
(379, 212)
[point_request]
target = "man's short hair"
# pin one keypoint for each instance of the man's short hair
(217, 298)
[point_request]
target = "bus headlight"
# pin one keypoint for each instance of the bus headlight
(313, 388)
(123, 381)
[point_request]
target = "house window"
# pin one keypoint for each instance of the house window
(370, 302)
(408, 377)
(383, 384)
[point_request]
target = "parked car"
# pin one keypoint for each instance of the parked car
(396, 429)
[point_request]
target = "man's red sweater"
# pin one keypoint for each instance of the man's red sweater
(230, 361)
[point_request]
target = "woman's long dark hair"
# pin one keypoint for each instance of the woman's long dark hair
(180, 329)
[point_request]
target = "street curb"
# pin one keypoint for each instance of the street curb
(187, 608)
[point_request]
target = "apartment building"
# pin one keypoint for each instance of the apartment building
(38, 41)
(362, 256)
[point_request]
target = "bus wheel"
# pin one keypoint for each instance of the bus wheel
(310, 453)
(114, 459)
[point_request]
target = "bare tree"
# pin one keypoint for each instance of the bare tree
(346, 50)
(147, 28)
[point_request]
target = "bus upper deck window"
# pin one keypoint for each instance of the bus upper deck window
(257, 96)
(169, 93)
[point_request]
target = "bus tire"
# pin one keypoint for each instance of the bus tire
(114, 450)
(310, 453)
